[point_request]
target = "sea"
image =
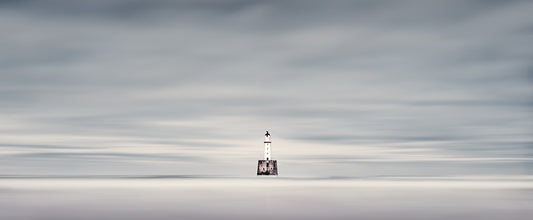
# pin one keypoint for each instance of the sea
(265, 197)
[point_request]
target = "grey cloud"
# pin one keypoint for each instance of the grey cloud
(40, 146)
(105, 155)
(211, 75)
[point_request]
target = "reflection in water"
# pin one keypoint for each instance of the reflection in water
(175, 197)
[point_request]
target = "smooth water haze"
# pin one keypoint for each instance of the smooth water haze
(196, 197)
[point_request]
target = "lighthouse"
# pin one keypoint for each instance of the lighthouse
(267, 146)
(267, 166)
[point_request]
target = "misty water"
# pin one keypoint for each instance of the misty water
(205, 197)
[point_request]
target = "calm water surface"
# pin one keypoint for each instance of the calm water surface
(186, 197)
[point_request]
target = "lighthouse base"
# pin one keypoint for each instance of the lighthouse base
(267, 167)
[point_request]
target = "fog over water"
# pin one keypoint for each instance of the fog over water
(173, 197)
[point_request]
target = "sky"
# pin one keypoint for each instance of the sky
(345, 88)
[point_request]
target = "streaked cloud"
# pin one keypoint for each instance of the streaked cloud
(200, 81)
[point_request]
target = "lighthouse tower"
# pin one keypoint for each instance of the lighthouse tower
(267, 146)
(267, 166)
